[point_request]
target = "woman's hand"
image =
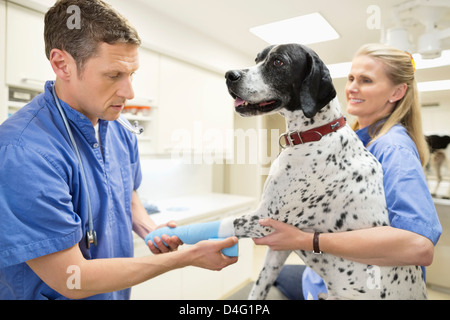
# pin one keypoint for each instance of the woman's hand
(285, 237)
(381, 246)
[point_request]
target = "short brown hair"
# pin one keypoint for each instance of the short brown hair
(99, 22)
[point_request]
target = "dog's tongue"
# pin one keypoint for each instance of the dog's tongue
(263, 104)
(238, 102)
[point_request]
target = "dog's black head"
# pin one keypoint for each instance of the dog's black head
(289, 76)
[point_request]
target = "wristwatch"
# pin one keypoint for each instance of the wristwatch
(316, 249)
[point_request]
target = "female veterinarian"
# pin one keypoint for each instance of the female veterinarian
(44, 191)
(382, 93)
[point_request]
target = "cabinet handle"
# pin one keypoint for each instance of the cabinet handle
(33, 81)
(144, 101)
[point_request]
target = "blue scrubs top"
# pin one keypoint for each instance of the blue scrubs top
(42, 204)
(408, 198)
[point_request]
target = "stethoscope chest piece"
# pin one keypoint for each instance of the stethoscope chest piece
(91, 238)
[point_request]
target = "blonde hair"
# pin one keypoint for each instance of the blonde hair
(399, 69)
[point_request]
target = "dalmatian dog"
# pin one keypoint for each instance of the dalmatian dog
(324, 180)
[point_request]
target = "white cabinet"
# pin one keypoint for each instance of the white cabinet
(146, 94)
(195, 111)
(146, 79)
(191, 110)
(193, 283)
(437, 273)
(191, 113)
(3, 88)
(27, 66)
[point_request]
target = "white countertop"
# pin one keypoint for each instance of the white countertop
(442, 202)
(194, 208)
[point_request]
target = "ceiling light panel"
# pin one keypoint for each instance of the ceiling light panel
(307, 29)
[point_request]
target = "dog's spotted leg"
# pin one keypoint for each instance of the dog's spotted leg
(273, 263)
(246, 226)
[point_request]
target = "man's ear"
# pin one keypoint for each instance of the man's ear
(61, 63)
(317, 88)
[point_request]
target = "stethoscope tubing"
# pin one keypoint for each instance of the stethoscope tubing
(90, 235)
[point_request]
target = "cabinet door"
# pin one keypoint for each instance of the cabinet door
(146, 93)
(195, 111)
(3, 89)
(201, 284)
(26, 63)
(146, 79)
(180, 104)
(166, 286)
(218, 118)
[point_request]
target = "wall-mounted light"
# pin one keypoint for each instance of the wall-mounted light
(428, 13)
(398, 37)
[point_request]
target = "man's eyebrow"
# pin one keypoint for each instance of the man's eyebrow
(108, 71)
(123, 67)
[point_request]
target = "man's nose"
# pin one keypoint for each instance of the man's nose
(126, 89)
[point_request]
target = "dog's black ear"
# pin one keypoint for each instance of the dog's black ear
(317, 88)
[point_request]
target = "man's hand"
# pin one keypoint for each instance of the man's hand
(172, 242)
(208, 254)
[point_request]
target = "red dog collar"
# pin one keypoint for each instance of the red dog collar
(297, 137)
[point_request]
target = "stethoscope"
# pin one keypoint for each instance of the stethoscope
(91, 235)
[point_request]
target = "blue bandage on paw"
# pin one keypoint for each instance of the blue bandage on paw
(231, 251)
(191, 234)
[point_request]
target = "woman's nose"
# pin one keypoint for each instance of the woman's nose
(352, 87)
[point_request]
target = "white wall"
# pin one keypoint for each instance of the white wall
(166, 36)
(166, 178)
(436, 120)
(3, 88)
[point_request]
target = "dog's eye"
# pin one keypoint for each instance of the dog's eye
(278, 63)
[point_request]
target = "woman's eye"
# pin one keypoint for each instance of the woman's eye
(278, 63)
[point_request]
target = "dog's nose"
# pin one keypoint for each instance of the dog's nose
(233, 75)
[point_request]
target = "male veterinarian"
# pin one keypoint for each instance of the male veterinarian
(47, 233)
